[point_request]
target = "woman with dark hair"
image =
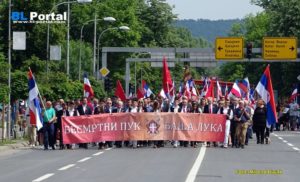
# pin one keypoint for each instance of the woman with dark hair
(156, 108)
(259, 121)
(195, 109)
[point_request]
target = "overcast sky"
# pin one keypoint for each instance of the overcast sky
(213, 9)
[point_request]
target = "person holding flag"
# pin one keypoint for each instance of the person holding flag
(49, 118)
(265, 91)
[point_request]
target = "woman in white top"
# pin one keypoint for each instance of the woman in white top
(224, 109)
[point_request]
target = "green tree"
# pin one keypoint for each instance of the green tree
(3, 79)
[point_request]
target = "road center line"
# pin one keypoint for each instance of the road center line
(84, 159)
(280, 138)
(295, 148)
(193, 172)
(66, 167)
(99, 153)
(285, 141)
(289, 144)
(108, 149)
(43, 177)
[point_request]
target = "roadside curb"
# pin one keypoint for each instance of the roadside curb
(19, 144)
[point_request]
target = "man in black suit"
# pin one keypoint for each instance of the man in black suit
(119, 109)
(210, 108)
(84, 109)
(184, 108)
(108, 109)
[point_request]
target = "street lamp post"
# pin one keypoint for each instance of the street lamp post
(108, 19)
(68, 31)
(123, 28)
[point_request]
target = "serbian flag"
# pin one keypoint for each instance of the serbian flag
(88, 91)
(294, 95)
(265, 90)
(235, 91)
(35, 110)
(167, 80)
(119, 92)
(147, 90)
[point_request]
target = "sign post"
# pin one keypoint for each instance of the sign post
(229, 48)
(278, 48)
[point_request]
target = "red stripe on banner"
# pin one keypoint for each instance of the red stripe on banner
(143, 126)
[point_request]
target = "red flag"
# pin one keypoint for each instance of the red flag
(140, 94)
(167, 80)
(210, 91)
(119, 92)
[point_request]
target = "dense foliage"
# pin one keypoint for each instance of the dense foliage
(151, 25)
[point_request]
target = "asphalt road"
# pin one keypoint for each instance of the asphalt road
(155, 165)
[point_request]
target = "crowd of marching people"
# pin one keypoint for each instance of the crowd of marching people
(243, 119)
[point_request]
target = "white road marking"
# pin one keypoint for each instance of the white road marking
(43, 177)
(66, 167)
(285, 141)
(84, 159)
(108, 149)
(295, 148)
(99, 153)
(289, 144)
(193, 172)
(280, 138)
(275, 134)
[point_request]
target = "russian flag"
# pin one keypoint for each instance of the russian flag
(87, 87)
(265, 90)
(35, 111)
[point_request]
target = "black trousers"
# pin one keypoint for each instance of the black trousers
(49, 138)
(232, 133)
(260, 134)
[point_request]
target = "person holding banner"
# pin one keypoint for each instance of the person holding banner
(119, 109)
(224, 109)
(175, 109)
(134, 109)
(84, 109)
(184, 108)
(156, 108)
(48, 126)
(195, 109)
(210, 108)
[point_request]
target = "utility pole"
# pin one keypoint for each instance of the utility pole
(9, 70)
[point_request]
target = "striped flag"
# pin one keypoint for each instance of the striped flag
(87, 87)
(35, 111)
(264, 89)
